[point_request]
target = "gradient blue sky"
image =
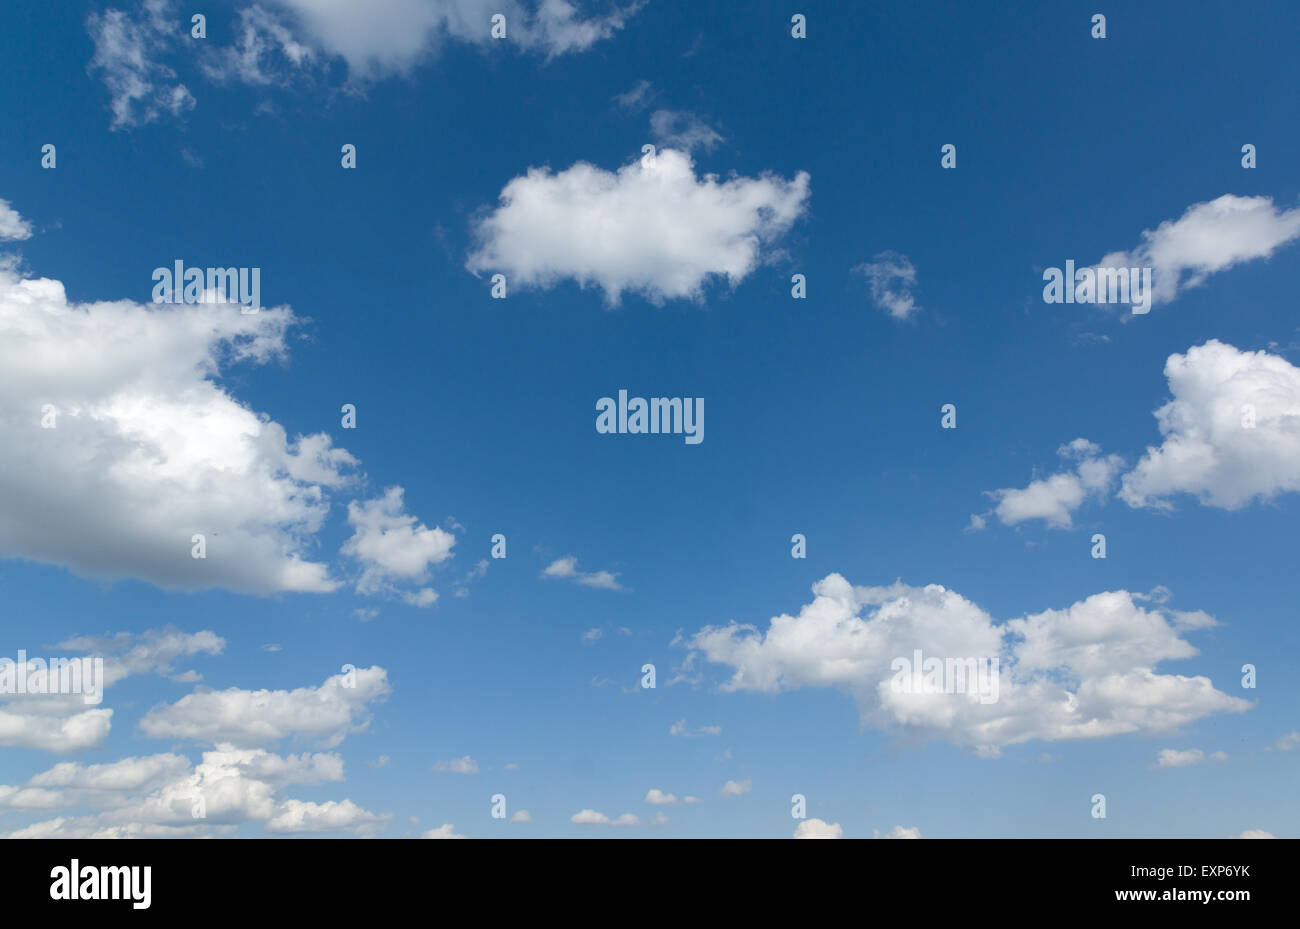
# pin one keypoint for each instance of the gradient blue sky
(822, 414)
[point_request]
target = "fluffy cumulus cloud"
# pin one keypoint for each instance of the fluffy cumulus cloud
(164, 795)
(653, 227)
(1208, 238)
(1083, 672)
(63, 722)
(1230, 435)
(13, 228)
(1054, 499)
(254, 718)
(818, 829)
(298, 817)
(891, 277)
(394, 548)
(121, 445)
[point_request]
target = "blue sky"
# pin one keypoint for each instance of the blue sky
(823, 417)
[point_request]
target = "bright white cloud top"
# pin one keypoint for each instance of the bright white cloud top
(1208, 238)
(652, 228)
(1231, 433)
(1231, 437)
(1084, 672)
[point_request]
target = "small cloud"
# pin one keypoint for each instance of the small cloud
(638, 98)
(522, 816)
(818, 829)
(594, 818)
(445, 831)
(271, 647)
(380, 762)
(892, 278)
(567, 568)
(13, 228)
(466, 765)
(1172, 758)
(1256, 834)
(512, 767)
(659, 798)
(899, 832)
(592, 635)
(1288, 742)
(682, 131)
(365, 614)
(736, 788)
(681, 730)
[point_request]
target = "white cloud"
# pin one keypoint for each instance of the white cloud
(63, 723)
(1208, 238)
(892, 278)
(680, 729)
(59, 734)
(567, 568)
(466, 765)
(1256, 834)
(682, 131)
(652, 228)
(127, 49)
(445, 831)
(636, 98)
(265, 52)
(659, 798)
(147, 450)
(594, 818)
(13, 228)
(1207, 449)
(393, 547)
(1174, 758)
(1287, 742)
(901, 832)
(818, 829)
(736, 788)
(158, 795)
(1054, 499)
(522, 816)
(296, 817)
(249, 718)
(382, 37)
(1084, 672)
